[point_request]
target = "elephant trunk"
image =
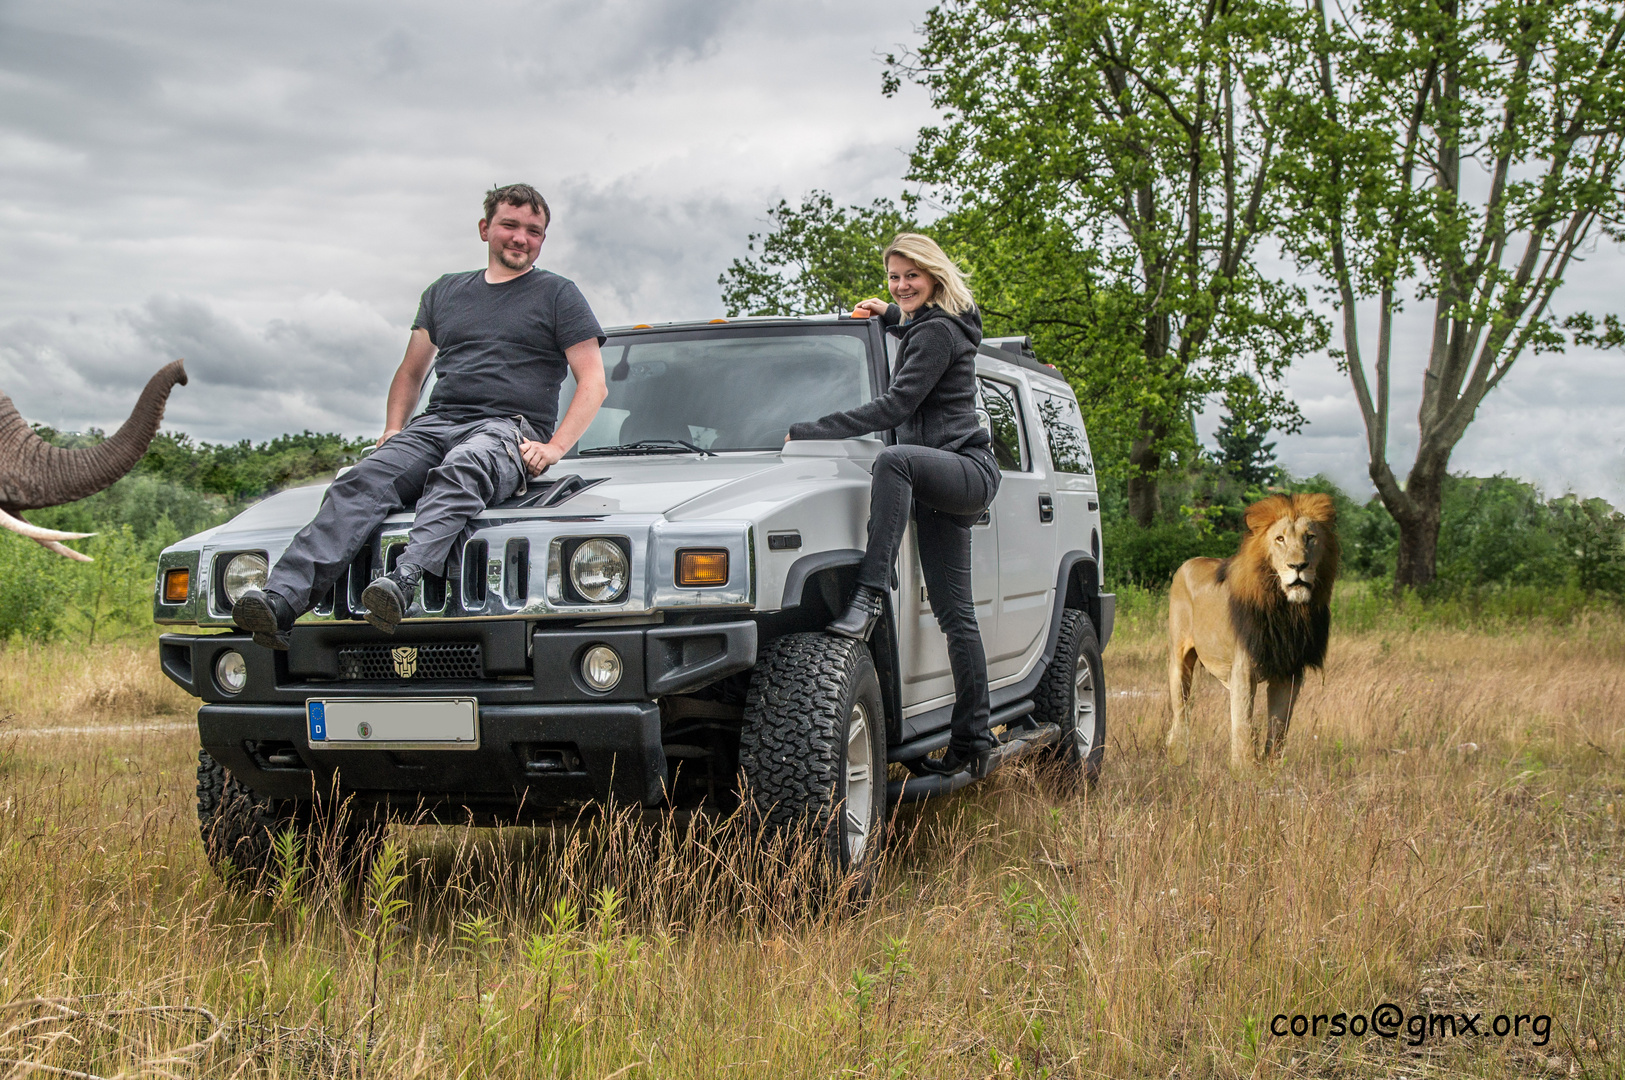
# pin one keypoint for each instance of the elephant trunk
(33, 473)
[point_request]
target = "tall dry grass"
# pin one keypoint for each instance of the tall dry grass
(43, 685)
(1445, 834)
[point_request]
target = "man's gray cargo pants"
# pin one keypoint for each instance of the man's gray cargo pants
(452, 471)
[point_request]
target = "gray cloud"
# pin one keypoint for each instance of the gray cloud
(266, 189)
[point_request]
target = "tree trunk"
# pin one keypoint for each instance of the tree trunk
(1418, 558)
(1145, 464)
(1145, 452)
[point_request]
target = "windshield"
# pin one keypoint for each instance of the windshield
(725, 391)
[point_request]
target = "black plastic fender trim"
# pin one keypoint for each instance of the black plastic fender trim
(1101, 607)
(795, 582)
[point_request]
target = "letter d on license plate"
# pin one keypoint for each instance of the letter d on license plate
(393, 723)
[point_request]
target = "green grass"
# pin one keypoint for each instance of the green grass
(1445, 833)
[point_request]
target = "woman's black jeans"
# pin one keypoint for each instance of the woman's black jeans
(947, 492)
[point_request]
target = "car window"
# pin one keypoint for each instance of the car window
(732, 392)
(1063, 425)
(1004, 420)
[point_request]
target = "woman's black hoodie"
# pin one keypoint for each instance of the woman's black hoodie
(932, 399)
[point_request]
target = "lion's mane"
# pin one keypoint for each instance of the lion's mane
(1282, 638)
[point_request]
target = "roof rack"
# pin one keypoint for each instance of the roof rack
(1019, 351)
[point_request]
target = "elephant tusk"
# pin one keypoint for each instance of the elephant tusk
(35, 532)
(63, 549)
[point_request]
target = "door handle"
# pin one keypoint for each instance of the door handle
(1046, 508)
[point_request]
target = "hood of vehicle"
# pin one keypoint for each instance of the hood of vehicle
(653, 484)
(627, 485)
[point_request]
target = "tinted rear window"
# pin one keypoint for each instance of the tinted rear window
(1063, 424)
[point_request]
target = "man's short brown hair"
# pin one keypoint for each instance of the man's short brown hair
(516, 195)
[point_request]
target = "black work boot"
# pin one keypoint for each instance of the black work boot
(858, 621)
(265, 615)
(388, 597)
(976, 758)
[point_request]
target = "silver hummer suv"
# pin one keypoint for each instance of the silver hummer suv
(644, 625)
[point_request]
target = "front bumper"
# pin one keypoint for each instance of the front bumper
(546, 739)
(535, 757)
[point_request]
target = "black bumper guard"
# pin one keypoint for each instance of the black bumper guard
(547, 739)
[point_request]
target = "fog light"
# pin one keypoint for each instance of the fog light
(698, 569)
(177, 585)
(601, 667)
(244, 572)
(231, 671)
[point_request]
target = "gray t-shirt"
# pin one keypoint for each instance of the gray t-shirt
(501, 347)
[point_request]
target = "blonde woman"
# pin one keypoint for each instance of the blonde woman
(940, 467)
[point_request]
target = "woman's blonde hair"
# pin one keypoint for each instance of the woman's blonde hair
(952, 294)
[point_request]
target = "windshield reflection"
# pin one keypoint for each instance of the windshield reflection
(733, 392)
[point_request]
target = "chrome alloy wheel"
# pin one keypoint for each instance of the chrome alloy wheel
(1083, 707)
(859, 806)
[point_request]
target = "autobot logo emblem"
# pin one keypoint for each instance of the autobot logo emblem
(406, 661)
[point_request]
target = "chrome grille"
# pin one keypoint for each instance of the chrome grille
(415, 663)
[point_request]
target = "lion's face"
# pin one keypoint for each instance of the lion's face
(1295, 545)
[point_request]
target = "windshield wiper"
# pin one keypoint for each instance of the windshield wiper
(647, 446)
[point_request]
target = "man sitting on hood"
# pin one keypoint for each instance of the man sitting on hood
(501, 340)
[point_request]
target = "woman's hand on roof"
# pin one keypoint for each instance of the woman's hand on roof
(869, 308)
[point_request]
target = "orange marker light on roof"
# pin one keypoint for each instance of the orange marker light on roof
(719, 320)
(641, 326)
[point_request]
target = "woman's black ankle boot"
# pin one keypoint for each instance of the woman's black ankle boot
(858, 621)
(976, 759)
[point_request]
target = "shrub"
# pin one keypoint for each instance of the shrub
(1148, 557)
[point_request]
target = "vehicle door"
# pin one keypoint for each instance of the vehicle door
(1077, 502)
(1024, 516)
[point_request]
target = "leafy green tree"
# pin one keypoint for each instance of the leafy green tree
(1242, 450)
(1470, 150)
(1592, 535)
(33, 583)
(816, 258)
(1127, 130)
(1036, 281)
(1498, 529)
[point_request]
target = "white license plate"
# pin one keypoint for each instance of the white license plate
(393, 723)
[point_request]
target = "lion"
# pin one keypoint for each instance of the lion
(1260, 616)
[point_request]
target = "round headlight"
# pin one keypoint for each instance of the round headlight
(244, 572)
(598, 571)
(231, 671)
(601, 667)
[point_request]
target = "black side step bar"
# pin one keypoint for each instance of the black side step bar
(920, 788)
(918, 748)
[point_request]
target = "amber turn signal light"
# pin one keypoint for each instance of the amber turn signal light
(700, 568)
(177, 585)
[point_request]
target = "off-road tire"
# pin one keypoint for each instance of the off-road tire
(806, 694)
(1076, 761)
(239, 829)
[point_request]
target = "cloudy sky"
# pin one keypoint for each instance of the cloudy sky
(265, 189)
